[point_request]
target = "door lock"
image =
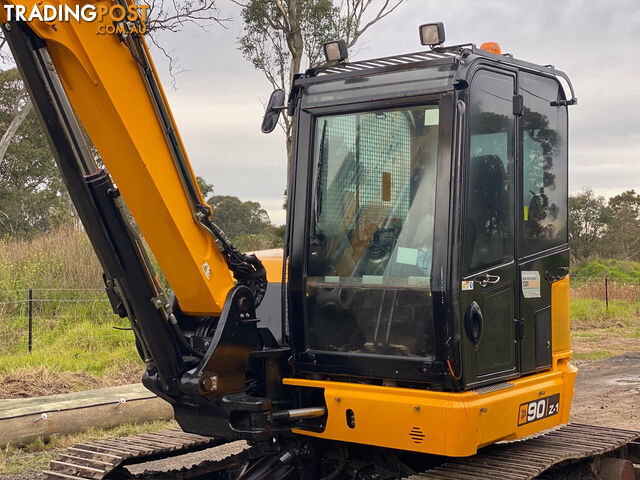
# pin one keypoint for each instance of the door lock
(485, 279)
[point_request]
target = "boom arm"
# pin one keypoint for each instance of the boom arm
(114, 90)
(198, 349)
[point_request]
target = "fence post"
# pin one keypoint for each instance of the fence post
(606, 291)
(30, 319)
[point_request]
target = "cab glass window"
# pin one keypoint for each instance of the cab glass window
(489, 199)
(543, 212)
(368, 288)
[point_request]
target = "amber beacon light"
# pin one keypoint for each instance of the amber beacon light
(492, 47)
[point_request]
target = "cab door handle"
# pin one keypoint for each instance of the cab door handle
(486, 279)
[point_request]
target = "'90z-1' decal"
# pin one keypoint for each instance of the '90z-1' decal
(538, 409)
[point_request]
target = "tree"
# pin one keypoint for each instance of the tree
(588, 220)
(280, 34)
(32, 196)
(24, 211)
(236, 217)
(246, 224)
(623, 234)
(205, 187)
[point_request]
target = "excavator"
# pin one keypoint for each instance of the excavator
(416, 323)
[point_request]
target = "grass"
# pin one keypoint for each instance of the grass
(72, 332)
(595, 355)
(593, 313)
(62, 259)
(599, 332)
(36, 455)
(75, 346)
(613, 268)
(68, 344)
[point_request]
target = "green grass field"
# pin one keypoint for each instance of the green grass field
(74, 343)
(599, 332)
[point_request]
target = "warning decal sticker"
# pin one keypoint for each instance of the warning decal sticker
(531, 284)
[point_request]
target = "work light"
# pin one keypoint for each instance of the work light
(432, 34)
(336, 51)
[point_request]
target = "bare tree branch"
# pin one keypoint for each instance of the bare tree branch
(20, 115)
(201, 13)
(174, 63)
(285, 18)
(173, 17)
(382, 13)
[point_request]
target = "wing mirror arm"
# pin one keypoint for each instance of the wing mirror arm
(272, 113)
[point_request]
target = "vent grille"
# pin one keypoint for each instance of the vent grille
(493, 388)
(416, 435)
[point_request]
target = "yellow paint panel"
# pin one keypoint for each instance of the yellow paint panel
(441, 423)
(272, 261)
(560, 316)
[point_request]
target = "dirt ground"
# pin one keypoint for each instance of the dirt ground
(37, 382)
(607, 392)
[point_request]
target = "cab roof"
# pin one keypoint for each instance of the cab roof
(462, 56)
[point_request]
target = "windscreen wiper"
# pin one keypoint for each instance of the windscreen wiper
(321, 160)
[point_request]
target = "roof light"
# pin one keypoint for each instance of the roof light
(492, 47)
(336, 51)
(432, 34)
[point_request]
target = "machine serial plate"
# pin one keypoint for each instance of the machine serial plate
(538, 409)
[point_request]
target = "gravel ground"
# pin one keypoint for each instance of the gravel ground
(607, 392)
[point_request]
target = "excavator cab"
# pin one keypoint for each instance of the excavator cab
(428, 246)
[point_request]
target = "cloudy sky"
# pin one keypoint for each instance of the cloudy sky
(218, 100)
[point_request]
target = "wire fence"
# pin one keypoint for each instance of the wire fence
(606, 289)
(32, 319)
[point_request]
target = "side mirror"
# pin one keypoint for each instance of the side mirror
(274, 107)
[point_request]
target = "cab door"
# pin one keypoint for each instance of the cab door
(488, 290)
(543, 250)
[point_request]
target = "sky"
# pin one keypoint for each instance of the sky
(219, 98)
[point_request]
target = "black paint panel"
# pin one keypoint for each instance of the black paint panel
(543, 337)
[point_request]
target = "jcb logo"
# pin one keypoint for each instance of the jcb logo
(538, 409)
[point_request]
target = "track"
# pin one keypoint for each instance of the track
(166, 454)
(526, 459)
(175, 455)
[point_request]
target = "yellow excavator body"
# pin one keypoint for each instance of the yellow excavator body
(383, 341)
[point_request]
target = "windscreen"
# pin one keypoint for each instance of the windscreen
(371, 236)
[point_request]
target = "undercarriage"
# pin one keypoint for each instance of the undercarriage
(571, 451)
